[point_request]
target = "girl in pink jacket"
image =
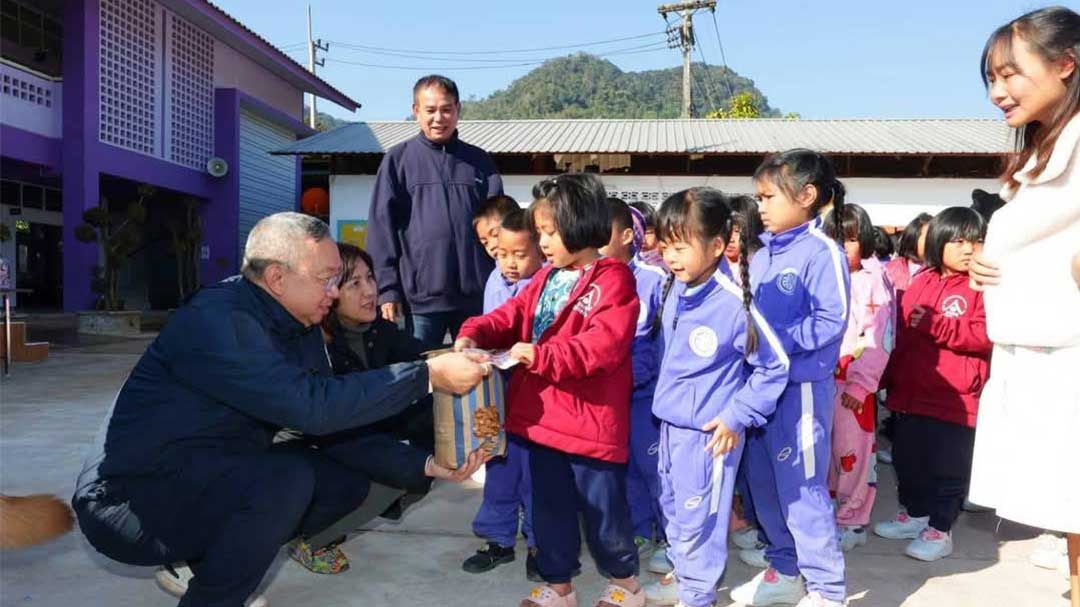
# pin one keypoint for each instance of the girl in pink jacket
(864, 353)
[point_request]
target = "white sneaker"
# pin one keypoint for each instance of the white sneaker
(816, 600)
(1051, 553)
(755, 557)
(902, 527)
(174, 580)
(770, 587)
(746, 538)
(658, 562)
(931, 545)
(663, 592)
(852, 537)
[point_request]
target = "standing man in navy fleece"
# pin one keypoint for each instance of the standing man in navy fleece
(428, 262)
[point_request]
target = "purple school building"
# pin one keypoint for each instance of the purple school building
(100, 96)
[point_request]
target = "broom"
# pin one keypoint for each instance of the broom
(31, 520)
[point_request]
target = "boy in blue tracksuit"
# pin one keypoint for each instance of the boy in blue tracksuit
(642, 481)
(802, 286)
(506, 483)
(722, 371)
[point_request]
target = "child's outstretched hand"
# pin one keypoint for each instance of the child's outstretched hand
(463, 343)
(524, 353)
(848, 401)
(724, 439)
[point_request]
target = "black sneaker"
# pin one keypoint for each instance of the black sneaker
(487, 558)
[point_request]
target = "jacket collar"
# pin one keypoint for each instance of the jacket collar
(783, 240)
(1064, 149)
(450, 145)
(280, 321)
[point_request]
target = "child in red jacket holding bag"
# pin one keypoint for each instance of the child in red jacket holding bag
(935, 377)
(570, 331)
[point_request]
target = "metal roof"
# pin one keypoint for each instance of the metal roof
(760, 136)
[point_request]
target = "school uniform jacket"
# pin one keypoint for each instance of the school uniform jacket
(801, 285)
(498, 290)
(647, 349)
(939, 368)
(706, 370)
(576, 395)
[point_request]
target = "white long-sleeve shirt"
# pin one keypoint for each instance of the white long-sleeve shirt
(1034, 238)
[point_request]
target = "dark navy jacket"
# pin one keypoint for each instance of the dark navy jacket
(420, 232)
(227, 371)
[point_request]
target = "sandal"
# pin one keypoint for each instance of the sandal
(544, 596)
(621, 597)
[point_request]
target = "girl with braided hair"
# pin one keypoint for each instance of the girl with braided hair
(721, 372)
(801, 283)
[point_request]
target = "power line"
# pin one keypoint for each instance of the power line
(478, 67)
(496, 51)
(723, 59)
(705, 78)
(649, 46)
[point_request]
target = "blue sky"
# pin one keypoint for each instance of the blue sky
(821, 58)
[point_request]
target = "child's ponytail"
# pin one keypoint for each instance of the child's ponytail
(837, 193)
(747, 295)
(658, 319)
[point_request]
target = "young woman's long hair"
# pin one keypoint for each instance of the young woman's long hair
(1052, 33)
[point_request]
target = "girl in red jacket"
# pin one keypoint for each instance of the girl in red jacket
(937, 372)
(570, 331)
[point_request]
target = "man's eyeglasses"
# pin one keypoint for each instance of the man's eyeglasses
(329, 284)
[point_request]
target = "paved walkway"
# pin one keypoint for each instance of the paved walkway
(50, 411)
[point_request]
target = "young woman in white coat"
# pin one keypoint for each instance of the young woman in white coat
(1026, 464)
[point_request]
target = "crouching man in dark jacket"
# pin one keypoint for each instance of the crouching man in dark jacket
(187, 468)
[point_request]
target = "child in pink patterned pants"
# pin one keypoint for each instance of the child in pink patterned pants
(863, 356)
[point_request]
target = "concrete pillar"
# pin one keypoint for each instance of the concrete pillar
(80, 134)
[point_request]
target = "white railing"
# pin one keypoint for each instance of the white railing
(30, 101)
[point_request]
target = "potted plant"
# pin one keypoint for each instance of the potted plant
(118, 238)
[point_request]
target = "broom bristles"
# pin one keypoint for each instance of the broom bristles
(31, 520)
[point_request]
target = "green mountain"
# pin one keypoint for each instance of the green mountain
(324, 122)
(586, 86)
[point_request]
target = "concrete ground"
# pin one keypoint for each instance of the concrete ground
(50, 411)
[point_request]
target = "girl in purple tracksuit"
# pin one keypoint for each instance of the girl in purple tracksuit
(722, 370)
(642, 481)
(801, 283)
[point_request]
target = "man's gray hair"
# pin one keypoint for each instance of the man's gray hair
(278, 238)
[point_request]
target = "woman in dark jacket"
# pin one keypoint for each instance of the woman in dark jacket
(359, 339)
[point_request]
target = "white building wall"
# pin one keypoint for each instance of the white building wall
(889, 201)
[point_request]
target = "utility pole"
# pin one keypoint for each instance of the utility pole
(684, 38)
(313, 46)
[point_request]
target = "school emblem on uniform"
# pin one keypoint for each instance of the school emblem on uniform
(703, 341)
(588, 301)
(692, 502)
(643, 314)
(954, 306)
(787, 280)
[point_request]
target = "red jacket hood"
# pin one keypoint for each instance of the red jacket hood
(576, 395)
(939, 367)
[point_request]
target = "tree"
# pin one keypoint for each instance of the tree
(185, 230)
(118, 239)
(742, 106)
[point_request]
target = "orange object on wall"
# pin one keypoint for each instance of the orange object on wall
(316, 201)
